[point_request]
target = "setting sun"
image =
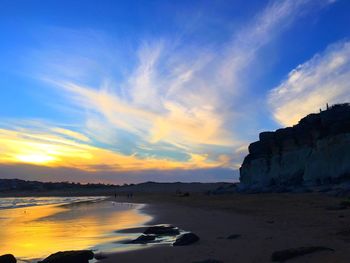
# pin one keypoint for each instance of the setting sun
(35, 158)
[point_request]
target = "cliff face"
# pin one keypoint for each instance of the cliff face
(315, 151)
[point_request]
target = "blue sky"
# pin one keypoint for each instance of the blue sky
(128, 91)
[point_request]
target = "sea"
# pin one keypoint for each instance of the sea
(32, 228)
(18, 202)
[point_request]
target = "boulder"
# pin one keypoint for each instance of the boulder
(143, 239)
(209, 261)
(162, 230)
(100, 256)
(186, 239)
(284, 255)
(74, 256)
(233, 236)
(344, 234)
(7, 258)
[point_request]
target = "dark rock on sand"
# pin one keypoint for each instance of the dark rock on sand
(8, 258)
(162, 230)
(143, 239)
(233, 236)
(344, 232)
(133, 230)
(291, 253)
(336, 207)
(100, 256)
(344, 235)
(186, 239)
(208, 261)
(75, 256)
(345, 203)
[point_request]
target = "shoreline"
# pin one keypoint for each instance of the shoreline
(236, 227)
(34, 201)
(260, 223)
(35, 232)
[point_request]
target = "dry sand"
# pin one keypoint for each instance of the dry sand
(266, 223)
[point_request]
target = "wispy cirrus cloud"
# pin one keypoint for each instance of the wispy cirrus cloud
(323, 79)
(245, 45)
(174, 104)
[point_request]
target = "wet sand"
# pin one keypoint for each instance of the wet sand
(35, 232)
(265, 223)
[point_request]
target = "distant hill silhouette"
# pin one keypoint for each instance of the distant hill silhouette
(155, 187)
(19, 187)
(316, 151)
(16, 187)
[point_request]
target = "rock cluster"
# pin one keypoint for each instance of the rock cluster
(167, 230)
(143, 239)
(151, 234)
(8, 258)
(315, 151)
(186, 239)
(74, 256)
(284, 255)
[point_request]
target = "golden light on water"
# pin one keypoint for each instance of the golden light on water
(37, 232)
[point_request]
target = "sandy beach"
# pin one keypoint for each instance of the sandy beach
(264, 222)
(231, 227)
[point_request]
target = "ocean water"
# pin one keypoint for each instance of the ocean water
(33, 228)
(17, 202)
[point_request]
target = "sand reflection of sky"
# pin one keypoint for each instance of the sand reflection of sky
(36, 232)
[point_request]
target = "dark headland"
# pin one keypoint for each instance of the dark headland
(315, 152)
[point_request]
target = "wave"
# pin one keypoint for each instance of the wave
(18, 202)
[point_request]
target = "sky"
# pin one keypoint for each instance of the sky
(134, 91)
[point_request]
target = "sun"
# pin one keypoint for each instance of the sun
(35, 158)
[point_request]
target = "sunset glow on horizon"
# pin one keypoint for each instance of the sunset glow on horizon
(54, 151)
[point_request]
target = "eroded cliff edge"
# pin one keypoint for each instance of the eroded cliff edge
(316, 151)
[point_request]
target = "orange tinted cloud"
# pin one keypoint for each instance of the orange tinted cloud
(53, 150)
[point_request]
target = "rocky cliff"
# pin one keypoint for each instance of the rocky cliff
(315, 151)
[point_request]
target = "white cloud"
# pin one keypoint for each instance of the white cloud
(325, 78)
(143, 86)
(177, 93)
(242, 50)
